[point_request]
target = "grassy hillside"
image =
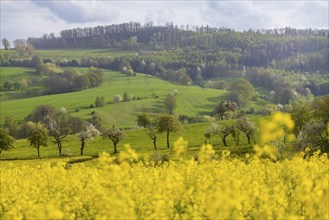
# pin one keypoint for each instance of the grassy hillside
(19, 74)
(80, 53)
(190, 100)
(15, 73)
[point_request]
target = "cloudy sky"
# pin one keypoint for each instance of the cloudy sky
(30, 18)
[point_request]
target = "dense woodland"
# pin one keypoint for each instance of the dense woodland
(249, 48)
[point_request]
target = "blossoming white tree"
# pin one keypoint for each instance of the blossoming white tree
(88, 132)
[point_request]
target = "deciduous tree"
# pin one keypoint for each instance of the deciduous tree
(100, 101)
(144, 120)
(301, 113)
(321, 106)
(5, 43)
(58, 128)
(6, 141)
(223, 132)
(10, 124)
(117, 98)
(241, 91)
(225, 106)
(167, 123)
(235, 133)
(153, 135)
(170, 103)
(41, 112)
(38, 136)
(88, 132)
(24, 48)
(314, 135)
(127, 97)
(115, 135)
(211, 131)
(247, 127)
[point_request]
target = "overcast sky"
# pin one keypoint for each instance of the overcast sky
(29, 18)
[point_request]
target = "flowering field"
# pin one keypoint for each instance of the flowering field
(208, 186)
(131, 189)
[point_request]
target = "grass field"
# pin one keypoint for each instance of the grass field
(190, 100)
(15, 73)
(58, 54)
(77, 53)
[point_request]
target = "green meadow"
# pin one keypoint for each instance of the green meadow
(78, 53)
(191, 100)
(15, 73)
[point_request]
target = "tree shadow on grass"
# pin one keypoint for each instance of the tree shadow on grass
(154, 108)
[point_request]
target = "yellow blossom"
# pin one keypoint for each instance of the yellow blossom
(180, 147)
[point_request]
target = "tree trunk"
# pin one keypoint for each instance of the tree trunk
(82, 147)
(224, 141)
(248, 139)
(155, 143)
(237, 141)
(167, 138)
(115, 147)
(59, 144)
(38, 148)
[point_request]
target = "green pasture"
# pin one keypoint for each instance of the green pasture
(15, 73)
(191, 100)
(78, 53)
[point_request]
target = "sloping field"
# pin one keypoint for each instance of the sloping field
(80, 53)
(190, 100)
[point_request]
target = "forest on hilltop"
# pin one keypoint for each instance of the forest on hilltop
(305, 50)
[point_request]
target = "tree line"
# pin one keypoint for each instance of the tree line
(251, 48)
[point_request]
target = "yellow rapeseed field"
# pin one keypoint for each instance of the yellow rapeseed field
(131, 187)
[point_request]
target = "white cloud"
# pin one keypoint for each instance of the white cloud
(20, 19)
(242, 15)
(72, 11)
(309, 14)
(239, 15)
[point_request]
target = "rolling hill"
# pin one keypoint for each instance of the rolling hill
(191, 100)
